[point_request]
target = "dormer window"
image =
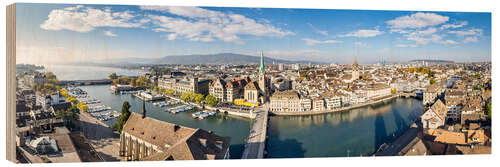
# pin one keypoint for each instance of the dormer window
(203, 142)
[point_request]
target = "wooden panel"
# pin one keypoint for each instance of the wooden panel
(11, 83)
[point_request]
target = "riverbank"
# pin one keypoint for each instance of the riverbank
(335, 110)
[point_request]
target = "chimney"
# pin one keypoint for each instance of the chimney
(143, 109)
(176, 127)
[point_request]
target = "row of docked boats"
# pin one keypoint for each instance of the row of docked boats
(166, 104)
(106, 115)
(95, 108)
(98, 108)
(180, 108)
(203, 114)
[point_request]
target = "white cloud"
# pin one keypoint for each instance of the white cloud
(470, 40)
(446, 42)
(417, 20)
(314, 42)
(363, 33)
(171, 36)
(325, 33)
(471, 32)
(406, 45)
(429, 31)
(206, 25)
(424, 40)
(110, 33)
(458, 25)
(85, 19)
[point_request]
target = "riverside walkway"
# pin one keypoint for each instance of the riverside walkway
(256, 141)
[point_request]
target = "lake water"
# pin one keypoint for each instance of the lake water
(73, 72)
(351, 133)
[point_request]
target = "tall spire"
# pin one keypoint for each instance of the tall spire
(262, 67)
(144, 108)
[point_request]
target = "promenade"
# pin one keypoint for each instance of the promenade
(256, 141)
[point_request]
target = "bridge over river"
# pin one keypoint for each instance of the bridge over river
(86, 82)
(256, 141)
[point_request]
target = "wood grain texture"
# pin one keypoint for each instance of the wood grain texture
(11, 83)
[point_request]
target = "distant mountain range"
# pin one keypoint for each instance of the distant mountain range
(220, 58)
(432, 61)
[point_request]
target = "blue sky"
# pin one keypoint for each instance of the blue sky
(55, 33)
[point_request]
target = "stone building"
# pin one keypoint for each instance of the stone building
(181, 85)
(227, 92)
(148, 139)
(435, 116)
(286, 101)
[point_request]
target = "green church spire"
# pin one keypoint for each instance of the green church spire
(262, 67)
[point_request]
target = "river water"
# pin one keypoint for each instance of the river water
(357, 132)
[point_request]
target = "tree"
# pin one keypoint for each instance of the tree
(432, 81)
(82, 106)
(199, 98)
(123, 117)
(169, 91)
(488, 109)
(141, 81)
(113, 76)
(186, 96)
(211, 100)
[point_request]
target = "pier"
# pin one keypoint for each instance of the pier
(256, 141)
(86, 82)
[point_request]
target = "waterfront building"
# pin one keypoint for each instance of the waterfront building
(318, 104)
(332, 100)
(148, 139)
(286, 101)
(435, 116)
(306, 104)
(376, 91)
(181, 85)
(227, 92)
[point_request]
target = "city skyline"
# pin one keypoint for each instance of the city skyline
(49, 33)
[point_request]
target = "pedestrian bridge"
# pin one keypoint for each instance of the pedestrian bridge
(256, 140)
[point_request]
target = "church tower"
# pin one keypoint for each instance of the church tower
(355, 70)
(263, 85)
